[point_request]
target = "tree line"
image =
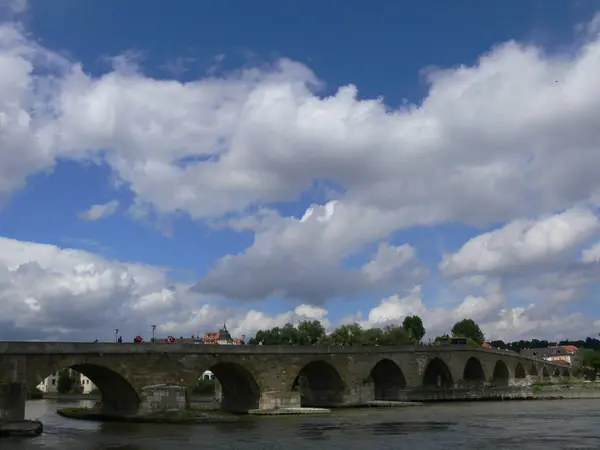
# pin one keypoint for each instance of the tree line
(588, 343)
(412, 331)
(312, 332)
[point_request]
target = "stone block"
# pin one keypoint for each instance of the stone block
(279, 399)
(163, 397)
(12, 401)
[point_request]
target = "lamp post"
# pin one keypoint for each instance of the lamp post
(116, 335)
(153, 329)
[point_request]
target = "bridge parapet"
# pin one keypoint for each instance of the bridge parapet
(256, 376)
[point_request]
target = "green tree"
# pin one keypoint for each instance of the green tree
(310, 332)
(590, 363)
(289, 335)
(499, 344)
(64, 383)
(267, 337)
(467, 328)
(347, 335)
(591, 358)
(414, 326)
(372, 336)
(204, 387)
(395, 335)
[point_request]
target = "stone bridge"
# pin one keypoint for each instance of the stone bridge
(265, 377)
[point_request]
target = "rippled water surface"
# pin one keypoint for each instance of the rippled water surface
(563, 424)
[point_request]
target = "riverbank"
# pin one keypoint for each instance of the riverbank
(566, 391)
(289, 411)
(21, 428)
(189, 416)
(70, 396)
(200, 400)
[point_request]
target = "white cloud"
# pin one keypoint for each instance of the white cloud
(592, 254)
(53, 293)
(44, 287)
(497, 320)
(524, 323)
(514, 135)
(522, 243)
(100, 211)
(302, 258)
(437, 319)
(248, 322)
(387, 260)
(15, 6)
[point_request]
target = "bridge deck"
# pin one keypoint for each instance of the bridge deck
(88, 348)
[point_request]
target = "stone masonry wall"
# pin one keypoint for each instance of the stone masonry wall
(12, 401)
(163, 397)
(279, 399)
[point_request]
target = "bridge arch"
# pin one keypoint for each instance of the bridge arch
(556, 372)
(239, 389)
(320, 385)
(473, 371)
(520, 371)
(437, 374)
(119, 396)
(501, 374)
(388, 379)
(566, 373)
(545, 373)
(533, 371)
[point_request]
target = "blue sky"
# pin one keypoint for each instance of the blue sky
(206, 130)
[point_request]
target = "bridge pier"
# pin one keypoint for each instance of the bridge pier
(160, 398)
(12, 401)
(280, 399)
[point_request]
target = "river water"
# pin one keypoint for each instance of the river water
(545, 425)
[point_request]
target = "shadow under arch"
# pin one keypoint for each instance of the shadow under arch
(118, 395)
(437, 374)
(533, 371)
(240, 391)
(501, 374)
(556, 373)
(566, 373)
(320, 385)
(388, 380)
(545, 373)
(473, 371)
(520, 371)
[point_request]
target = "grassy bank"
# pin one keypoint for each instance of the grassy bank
(190, 416)
(565, 384)
(56, 395)
(573, 389)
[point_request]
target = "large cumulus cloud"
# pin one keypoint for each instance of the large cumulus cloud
(512, 139)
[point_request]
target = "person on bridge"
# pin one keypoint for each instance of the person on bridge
(120, 340)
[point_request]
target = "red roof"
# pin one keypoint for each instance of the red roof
(211, 337)
(568, 348)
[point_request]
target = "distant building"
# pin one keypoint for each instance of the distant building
(208, 375)
(563, 354)
(221, 337)
(192, 340)
(49, 384)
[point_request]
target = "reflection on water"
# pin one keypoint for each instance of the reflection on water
(546, 425)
